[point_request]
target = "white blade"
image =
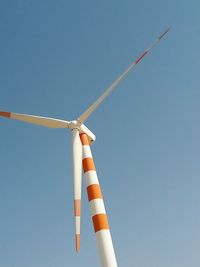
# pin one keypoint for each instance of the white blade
(95, 105)
(77, 169)
(43, 121)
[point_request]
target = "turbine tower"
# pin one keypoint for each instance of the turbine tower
(82, 138)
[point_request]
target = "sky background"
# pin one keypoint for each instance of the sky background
(56, 58)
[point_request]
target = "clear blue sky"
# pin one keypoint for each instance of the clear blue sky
(56, 58)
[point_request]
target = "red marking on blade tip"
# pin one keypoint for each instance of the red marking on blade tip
(77, 243)
(143, 54)
(5, 114)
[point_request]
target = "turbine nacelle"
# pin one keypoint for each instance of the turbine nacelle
(91, 136)
(76, 124)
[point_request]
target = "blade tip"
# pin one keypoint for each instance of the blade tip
(5, 114)
(77, 243)
(163, 33)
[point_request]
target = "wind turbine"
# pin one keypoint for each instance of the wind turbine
(82, 138)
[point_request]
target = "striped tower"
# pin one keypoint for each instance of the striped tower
(97, 208)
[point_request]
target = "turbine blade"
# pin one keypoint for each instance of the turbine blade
(43, 121)
(95, 105)
(77, 169)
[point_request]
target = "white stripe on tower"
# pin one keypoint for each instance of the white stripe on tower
(99, 217)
